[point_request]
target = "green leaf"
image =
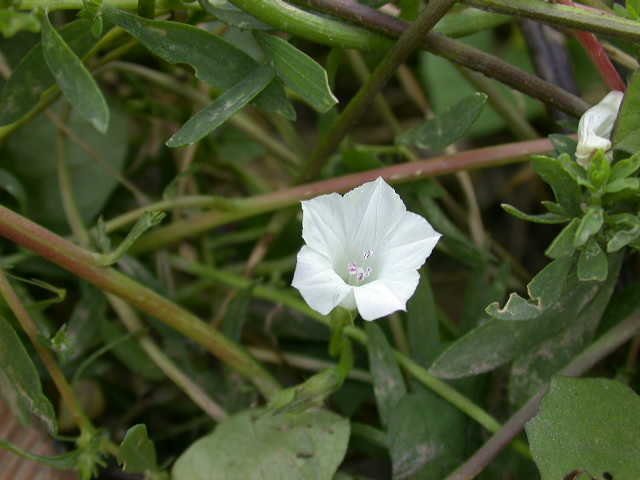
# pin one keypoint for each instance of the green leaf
(422, 323)
(625, 168)
(236, 316)
(592, 263)
(12, 22)
(298, 71)
(623, 184)
(548, 218)
(499, 341)
(575, 170)
(86, 317)
(75, 81)
(215, 61)
(253, 444)
(388, 382)
(599, 170)
(19, 380)
(589, 225)
(223, 108)
(130, 352)
(565, 189)
(426, 437)
(32, 76)
(562, 245)
(544, 290)
(629, 232)
(447, 127)
(587, 425)
(94, 166)
(137, 453)
(148, 220)
(626, 134)
(563, 144)
(10, 184)
(532, 370)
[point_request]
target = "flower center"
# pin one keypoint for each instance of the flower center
(358, 272)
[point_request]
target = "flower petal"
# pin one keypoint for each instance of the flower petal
(371, 211)
(409, 244)
(595, 126)
(376, 299)
(323, 227)
(318, 284)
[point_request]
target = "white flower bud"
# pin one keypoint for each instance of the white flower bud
(594, 129)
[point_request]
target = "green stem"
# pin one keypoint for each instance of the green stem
(84, 264)
(305, 363)
(410, 39)
(66, 191)
(48, 359)
(565, 16)
(456, 52)
(599, 349)
(290, 300)
(384, 110)
(402, 173)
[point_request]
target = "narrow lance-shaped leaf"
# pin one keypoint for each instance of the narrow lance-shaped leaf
(218, 112)
(592, 263)
(19, 379)
(446, 128)
(298, 71)
(32, 77)
(75, 81)
(626, 134)
(548, 218)
(214, 60)
(388, 383)
(137, 453)
(564, 187)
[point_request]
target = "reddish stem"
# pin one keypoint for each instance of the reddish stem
(597, 54)
(402, 173)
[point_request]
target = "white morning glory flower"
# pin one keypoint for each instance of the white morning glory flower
(595, 127)
(362, 251)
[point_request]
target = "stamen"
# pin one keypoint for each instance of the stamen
(367, 254)
(352, 268)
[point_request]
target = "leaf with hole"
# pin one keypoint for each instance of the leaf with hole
(587, 425)
(253, 444)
